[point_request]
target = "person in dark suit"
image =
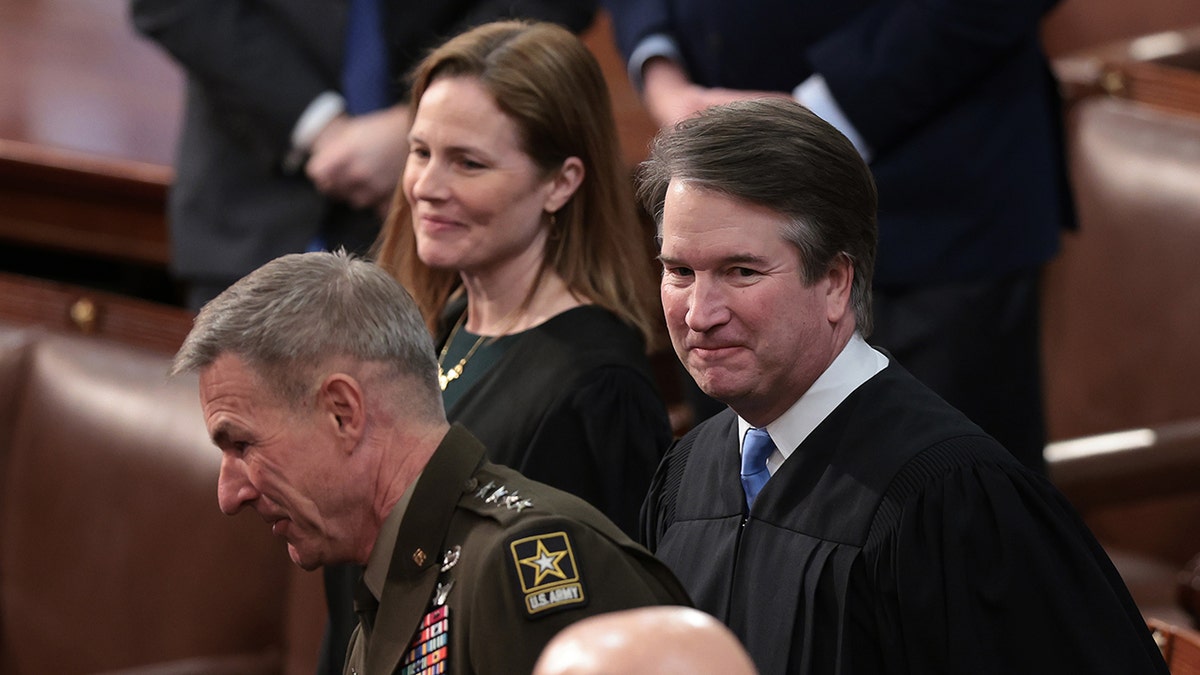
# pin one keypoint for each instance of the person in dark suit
(318, 383)
(839, 516)
(954, 106)
(294, 129)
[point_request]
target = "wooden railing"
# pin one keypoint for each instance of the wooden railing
(88, 118)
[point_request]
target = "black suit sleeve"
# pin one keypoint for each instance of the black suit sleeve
(635, 20)
(898, 65)
(252, 65)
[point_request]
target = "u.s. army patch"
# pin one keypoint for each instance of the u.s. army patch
(549, 575)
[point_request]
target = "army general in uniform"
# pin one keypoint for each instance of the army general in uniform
(516, 562)
(318, 382)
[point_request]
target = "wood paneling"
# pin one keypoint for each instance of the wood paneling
(88, 119)
(76, 77)
(634, 125)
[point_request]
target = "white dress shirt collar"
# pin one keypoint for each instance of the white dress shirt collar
(857, 363)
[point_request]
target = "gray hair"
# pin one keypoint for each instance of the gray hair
(774, 153)
(296, 313)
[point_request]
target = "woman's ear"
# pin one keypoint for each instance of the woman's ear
(564, 183)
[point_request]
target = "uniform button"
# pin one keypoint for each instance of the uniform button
(470, 485)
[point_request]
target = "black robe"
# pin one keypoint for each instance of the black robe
(572, 403)
(897, 538)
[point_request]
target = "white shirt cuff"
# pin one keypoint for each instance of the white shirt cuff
(659, 44)
(312, 121)
(814, 94)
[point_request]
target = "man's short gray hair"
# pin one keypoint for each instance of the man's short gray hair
(294, 314)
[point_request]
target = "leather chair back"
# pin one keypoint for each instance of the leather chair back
(1120, 305)
(1180, 647)
(112, 549)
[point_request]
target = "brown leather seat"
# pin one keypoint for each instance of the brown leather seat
(1180, 647)
(1139, 492)
(1120, 329)
(1120, 319)
(113, 552)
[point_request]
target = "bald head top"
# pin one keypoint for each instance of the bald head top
(649, 639)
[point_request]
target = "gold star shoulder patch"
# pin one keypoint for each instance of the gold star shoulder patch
(547, 573)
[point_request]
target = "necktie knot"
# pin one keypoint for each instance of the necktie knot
(757, 446)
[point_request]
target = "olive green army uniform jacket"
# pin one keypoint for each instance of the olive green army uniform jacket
(489, 565)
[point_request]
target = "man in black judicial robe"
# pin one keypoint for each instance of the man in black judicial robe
(867, 526)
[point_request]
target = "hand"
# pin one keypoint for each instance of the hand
(669, 95)
(359, 159)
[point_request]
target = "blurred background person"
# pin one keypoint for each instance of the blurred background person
(954, 106)
(293, 132)
(661, 639)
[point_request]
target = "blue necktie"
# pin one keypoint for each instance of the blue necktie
(756, 448)
(365, 69)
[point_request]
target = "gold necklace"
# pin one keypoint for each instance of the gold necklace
(446, 377)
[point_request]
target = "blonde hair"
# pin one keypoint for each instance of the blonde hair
(550, 85)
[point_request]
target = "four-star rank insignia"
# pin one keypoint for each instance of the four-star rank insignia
(545, 565)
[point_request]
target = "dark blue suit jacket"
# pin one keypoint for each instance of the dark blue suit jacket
(955, 99)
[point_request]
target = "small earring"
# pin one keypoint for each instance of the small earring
(553, 219)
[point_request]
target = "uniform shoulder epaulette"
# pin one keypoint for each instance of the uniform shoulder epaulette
(504, 503)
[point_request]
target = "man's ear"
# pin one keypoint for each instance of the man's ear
(840, 279)
(344, 406)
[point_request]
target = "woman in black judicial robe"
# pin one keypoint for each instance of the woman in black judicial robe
(570, 402)
(515, 230)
